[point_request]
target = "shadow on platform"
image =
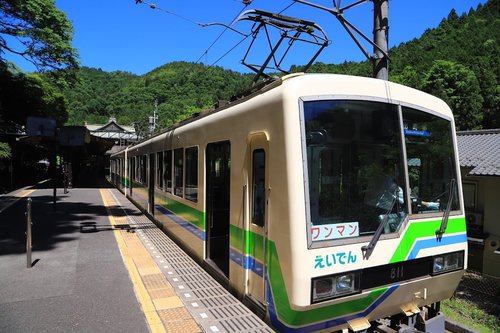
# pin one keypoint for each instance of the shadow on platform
(90, 227)
(83, 182)
(80, 207)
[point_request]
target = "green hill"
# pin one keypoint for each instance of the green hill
(179, 88)
(457, 61)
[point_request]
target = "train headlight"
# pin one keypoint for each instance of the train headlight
(448, 262)
(333, 286)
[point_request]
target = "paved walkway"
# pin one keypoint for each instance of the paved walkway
(78, 282)
(99, 265)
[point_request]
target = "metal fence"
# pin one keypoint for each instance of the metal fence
(482, 290)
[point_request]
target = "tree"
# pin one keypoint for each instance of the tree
(5, 151)
(409, 77)
(458, 86)
(24, 95)
(37, 31)
(40, 33)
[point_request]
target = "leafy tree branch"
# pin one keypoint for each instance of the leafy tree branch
(37, 31)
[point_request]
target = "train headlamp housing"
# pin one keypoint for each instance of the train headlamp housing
(448, 262)
(333, 286)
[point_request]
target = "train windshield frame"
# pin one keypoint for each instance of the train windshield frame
(358, 174)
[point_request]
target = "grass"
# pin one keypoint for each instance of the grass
(470, 315)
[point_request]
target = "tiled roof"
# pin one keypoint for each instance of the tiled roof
(110, 127)
(480, 150)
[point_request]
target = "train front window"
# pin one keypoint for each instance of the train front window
(431, 162)
(355, 168)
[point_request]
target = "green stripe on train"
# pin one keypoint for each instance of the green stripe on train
(426, 229)
(292, 317)
(137, 184)
(123, 180)
(254, 246)
(188, 213)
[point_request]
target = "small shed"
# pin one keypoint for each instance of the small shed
(479, 154)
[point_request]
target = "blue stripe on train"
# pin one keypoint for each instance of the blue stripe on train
(247, 262)
(183, 223)
(435, 242)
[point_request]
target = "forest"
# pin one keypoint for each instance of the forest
(457, 61)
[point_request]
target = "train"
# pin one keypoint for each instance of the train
(325, 202)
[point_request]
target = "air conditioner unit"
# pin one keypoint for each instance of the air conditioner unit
(474, 219)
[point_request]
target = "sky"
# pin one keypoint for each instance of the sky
(122, 35)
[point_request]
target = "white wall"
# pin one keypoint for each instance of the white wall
(488, 204)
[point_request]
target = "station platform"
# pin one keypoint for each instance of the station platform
(99, 265)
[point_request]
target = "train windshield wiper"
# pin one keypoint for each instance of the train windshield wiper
(446, 215)
(367, 249)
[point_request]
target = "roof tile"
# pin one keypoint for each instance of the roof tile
(481, 151)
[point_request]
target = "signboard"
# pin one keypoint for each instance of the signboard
(37, 126)
(335, 231)
(74, 136)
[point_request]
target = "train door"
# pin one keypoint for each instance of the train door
(218, 172)
(256, 235)
(151, 184)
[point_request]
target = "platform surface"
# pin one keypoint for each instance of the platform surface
(100, 265)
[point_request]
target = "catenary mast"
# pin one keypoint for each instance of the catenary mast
(380, 38)
(380, 56)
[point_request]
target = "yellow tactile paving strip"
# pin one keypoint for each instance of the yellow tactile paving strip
(4, 204)
(24, 193)
(163, 309)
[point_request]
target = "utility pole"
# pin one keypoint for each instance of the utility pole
(153, 120)
(380, 38)
(380, 44)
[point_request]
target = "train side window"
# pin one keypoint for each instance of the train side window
(191, 191)
(259, 187)
(168, 171)
(131, 170)
(136, 169)
(178, 172)
(144, 160)
(159, 170)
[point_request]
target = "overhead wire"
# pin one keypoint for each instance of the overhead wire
(246, 3)
(230, 50)
(205, 53)
(290, 5)
(153, 6)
